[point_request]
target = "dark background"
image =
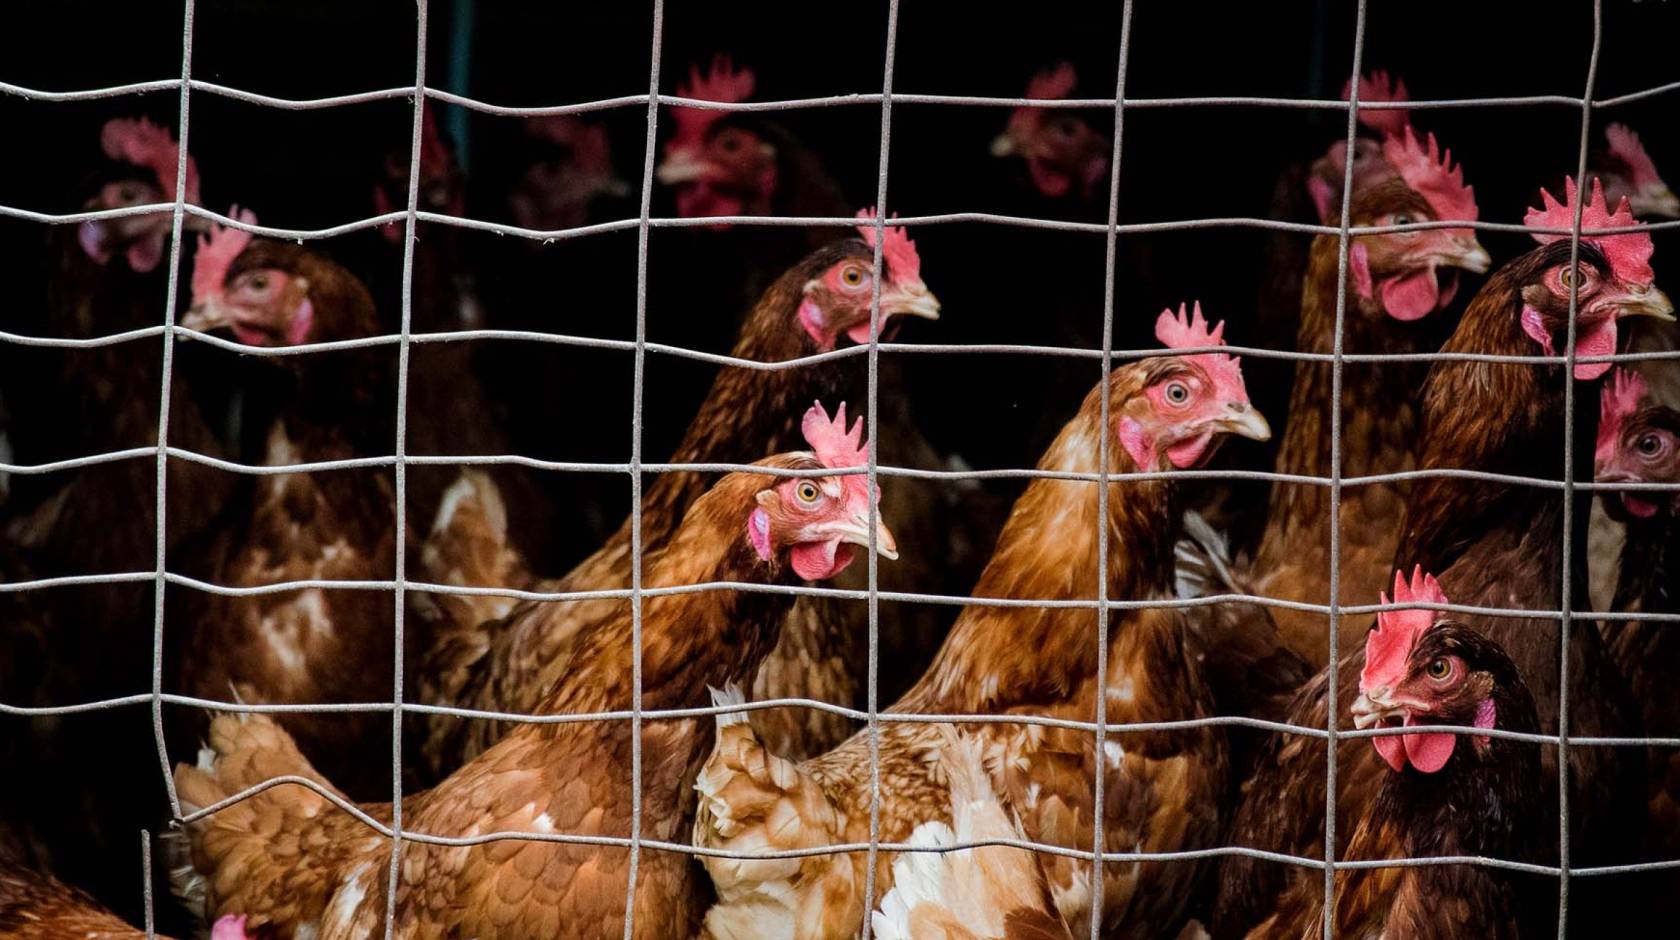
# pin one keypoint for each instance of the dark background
(309, 169)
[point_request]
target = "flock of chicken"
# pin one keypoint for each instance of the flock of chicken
(533, 828)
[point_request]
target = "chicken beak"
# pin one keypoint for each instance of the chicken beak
(855, 531)
(1466, 252)
(1657, 200)
(1244, 420)
(204, 316)
(1374, 707)
(610, 185)
(1644, 300)
(913, 299)
(681, 168)
(1003, 145)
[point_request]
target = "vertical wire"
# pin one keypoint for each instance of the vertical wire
(146, 882)
(1565, 596)
(1099, 777)
(642, 229)
(1334, 658)
(399, 594)
(161, 508)
(873, 429)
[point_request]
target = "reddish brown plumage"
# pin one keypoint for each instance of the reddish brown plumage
(508, 665)
(315, 644)
(37, 906)
(1492, 545)
(289, 861)
(1163, 785)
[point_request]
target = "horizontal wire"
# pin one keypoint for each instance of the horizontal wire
(405, 92)
(842, 222)
(851, 848)
(714, 711)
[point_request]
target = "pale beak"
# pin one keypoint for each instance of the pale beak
(1244, 420)
(1003, 145)
(1643, 301)
(609, 185)
(1467, 253)
(1656, 200)
(913, 299)
(1374, 707)
(681, 168)
(205, 316)
(855, 531)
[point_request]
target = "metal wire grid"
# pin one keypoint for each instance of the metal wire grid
(410, 216)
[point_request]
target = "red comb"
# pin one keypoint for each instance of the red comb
(142, 143)
(1048, 85)
(434, 156)
(216, 252)
(1190, 330)
(1053, 83)
(1618, 398)
(1376, 86)
(1388, 646)
(723, 83)
(1431, 174)
(899, 253)
(1625, 145)
(1629, 253)
(836, 446)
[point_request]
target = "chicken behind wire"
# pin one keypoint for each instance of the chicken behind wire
(295, 864)
(1442, 794)
(1165, 785)
(315, 644)
(1639, 442)
(508, 665)
(1495, 545)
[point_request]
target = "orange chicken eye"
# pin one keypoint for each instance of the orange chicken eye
(1178, 393)
(807, 492)
(852, 276)
(1439, 669)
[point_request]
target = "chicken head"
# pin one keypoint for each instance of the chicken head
(820, 521)
(1188, 400)
(1614, 275)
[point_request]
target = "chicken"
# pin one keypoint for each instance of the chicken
(1494, 545)
(312, 644)
(819, 305)
(94, 641)
(985, 893)
(1163, 786)
(37, 906)
(450, 410)
(1393, 281)
(1443, 794)
(1639, 442)
(1312, 193)
(1065, 156)
(1628, 172)
(293, 865)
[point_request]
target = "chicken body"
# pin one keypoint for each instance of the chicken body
(293, 864)
(314, 644)
(1494, 546)
(1481, 803)
(1163, 786)
(507, 665)
(987, 893)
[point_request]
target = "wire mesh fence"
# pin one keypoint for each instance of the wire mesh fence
(640, 347)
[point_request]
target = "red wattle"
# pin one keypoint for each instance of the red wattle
(1411, 296)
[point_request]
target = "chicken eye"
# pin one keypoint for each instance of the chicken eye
(1178, 393)
(1439, 669)
(1650, 445)
(807, 492)
(1402, 218)
(851, 276)
(259, 282)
